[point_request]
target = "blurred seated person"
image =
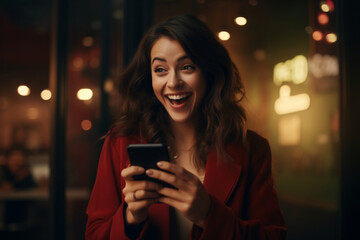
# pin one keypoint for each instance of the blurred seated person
(16, 176)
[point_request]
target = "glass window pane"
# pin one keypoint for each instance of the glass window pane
(94, 61)
(83, 109)
(24, 119)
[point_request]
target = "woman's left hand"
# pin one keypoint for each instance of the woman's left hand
(190, 196)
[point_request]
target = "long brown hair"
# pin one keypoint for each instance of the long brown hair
(222, 118)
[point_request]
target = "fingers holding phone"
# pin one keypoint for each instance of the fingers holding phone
(139, 190)
(139, 195)
(189, 195)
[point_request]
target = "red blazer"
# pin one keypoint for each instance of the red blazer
(244, 203)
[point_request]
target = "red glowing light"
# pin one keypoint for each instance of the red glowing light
(317, 36)
(86, 125)
(323, 18)
(331, 5)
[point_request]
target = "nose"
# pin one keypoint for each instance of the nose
(175, 81)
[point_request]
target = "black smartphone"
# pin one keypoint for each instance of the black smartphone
(146, 156)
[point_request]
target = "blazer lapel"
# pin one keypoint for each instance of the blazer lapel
(220, 177)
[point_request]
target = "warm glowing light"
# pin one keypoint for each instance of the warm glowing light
(241, 21)
(45, 94)
(317, 35)
(289, 130)
(88, 41)
(323, 18)
(78, 63)
(324, 66)
(331, 37)
(294, 70)
(324, 7)
(331, 4)
(86, 125)
(32, 113)
(299, 66)
(224, 35)
(288, 104)
(23, 90)
(84, 94)
(109, 86)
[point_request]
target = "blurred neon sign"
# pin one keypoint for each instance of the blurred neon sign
(324, 66)
(288, 104)
(294, 70)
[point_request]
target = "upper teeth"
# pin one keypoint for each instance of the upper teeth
(177, 97)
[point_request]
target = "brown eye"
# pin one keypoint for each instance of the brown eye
(188, 67)
(159, 70)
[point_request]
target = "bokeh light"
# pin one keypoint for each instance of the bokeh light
(224, 35)
(323, 18)
(78, 63)
(88, 41)
(241, 21)
(324, 7)
(331, 4)
(86, 125)
(23, 90)
(317, 35)
(45, 94)
(331, 37)
(109, 86)
(84, 94)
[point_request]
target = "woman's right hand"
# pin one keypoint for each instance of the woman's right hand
(139, 195)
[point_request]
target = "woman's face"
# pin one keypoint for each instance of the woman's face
(177, 82)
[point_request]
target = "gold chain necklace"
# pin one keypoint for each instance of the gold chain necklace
(176, 154)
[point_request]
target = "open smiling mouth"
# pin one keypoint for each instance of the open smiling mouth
(178, 99)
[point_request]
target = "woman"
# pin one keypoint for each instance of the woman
(183, 90)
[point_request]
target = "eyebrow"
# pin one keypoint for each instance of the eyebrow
(164, 60)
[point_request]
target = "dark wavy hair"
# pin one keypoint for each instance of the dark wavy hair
(222, 118)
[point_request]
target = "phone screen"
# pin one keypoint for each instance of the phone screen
(146, 156)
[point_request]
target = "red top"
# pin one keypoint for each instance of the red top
(244, 203)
